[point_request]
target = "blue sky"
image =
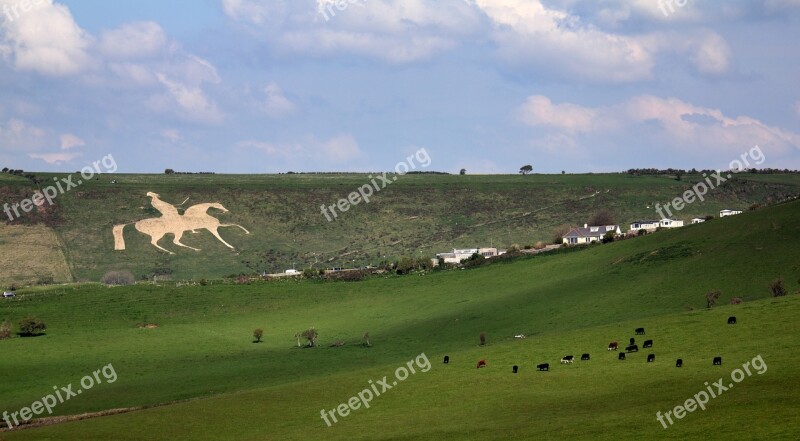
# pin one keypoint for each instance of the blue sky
(245, 86)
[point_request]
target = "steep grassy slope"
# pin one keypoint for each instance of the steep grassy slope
(568, 303)
(416, 215)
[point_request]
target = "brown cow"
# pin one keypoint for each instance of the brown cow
(613, 346)
(481, 363)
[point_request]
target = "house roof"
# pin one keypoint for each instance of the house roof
(645, 222)
(587, 232)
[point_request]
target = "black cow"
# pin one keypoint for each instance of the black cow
(717, 361)
(639, 331)
(732, 320)
(585, 357)
(567, 359)
(543, 367)
(651, 358)
(514, 369)
(632, 348)
(633, 341)
(679, 363)
(648, 344)
(446, 359)
(621, 355)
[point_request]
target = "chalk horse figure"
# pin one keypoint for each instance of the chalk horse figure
(193, 219)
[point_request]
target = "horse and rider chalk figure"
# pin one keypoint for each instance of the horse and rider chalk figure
(171, 222)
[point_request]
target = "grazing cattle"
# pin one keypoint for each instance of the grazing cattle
(621, 355)
(585, 357)
(613, 346)
(567, 359)
(639, 331)
(651, 358)
(679, 363)
(633, 341)
(632, 348)
(717, 361)
(514, 369)
(446, 359)
(648, 344)
(732, 320)
(543, 367)
(481, 363)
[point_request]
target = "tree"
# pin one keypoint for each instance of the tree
(257, 334)
(5, 330)
(609, 236)
(601, 217)
(483, 338)
(776, 287)
(525, 169)
(463, 171)
(365, 338)
(311, 335)
(32, 326)
(712, 297)
(118, 278)
(559, 232)
(169, 171)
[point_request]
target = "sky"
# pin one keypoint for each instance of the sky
(246, 86)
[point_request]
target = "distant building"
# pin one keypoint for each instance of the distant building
(9, 294)
(292, 272)
(670, 223)
(588, 234)
(457, 255)
(698, 220)
(728, 212)
(652, 225)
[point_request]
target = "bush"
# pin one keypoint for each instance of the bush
(736, 301)
(311, 335)
(118, 278)
(310, 273)
(712, 297)
(5, 330)
(203, 282)
(776, 288)
(539, 245)
(31, 327)
(257, 334)
(609, 236)
(483, 338)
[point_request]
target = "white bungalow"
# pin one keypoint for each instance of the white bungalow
(727, 212)
(588, 234)
(698, 220)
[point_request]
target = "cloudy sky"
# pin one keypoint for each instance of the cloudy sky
(247, 86)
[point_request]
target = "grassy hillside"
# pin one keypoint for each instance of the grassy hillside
(31, 254)
(416, 215)
(567, 303)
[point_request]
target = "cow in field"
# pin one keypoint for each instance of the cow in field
(481, 363)
(621, 355)
(639, 331)
(632, 348)
(679, 363)
(717, 361)
(567, 359)
(585, 357)
(446, 359)
(543, 367)
(651, 358)
(613, 346)
(514, 369)
(732, 320)
(648, 344)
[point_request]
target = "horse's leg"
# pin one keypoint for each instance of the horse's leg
(214, 231)
(154, 240)
(177, 241)
(235, 225)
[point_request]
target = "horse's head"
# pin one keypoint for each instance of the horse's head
(218, 207)
(153, 195)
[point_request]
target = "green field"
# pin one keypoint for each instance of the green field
(222, 386)
(418, 215)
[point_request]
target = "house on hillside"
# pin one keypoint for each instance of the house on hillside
(457, 255)
(727, 212)
(9, 294)
(698, 220)
(588, 234)
(652, 225)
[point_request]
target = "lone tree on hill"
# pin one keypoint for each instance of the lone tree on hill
(776, 287)
(602, 217)
(712, 297)
(32, 326)
(483, 338)
(311, 335)
(257, 334)
(463, 171)
(525, 169)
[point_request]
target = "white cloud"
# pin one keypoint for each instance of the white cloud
(171, 135)
(69, 141)
(277, 105)
(45, 39)
(679, 125)
(19, 135)
(341, 149)
(133, 41)
(184, 95)
(54, 158)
